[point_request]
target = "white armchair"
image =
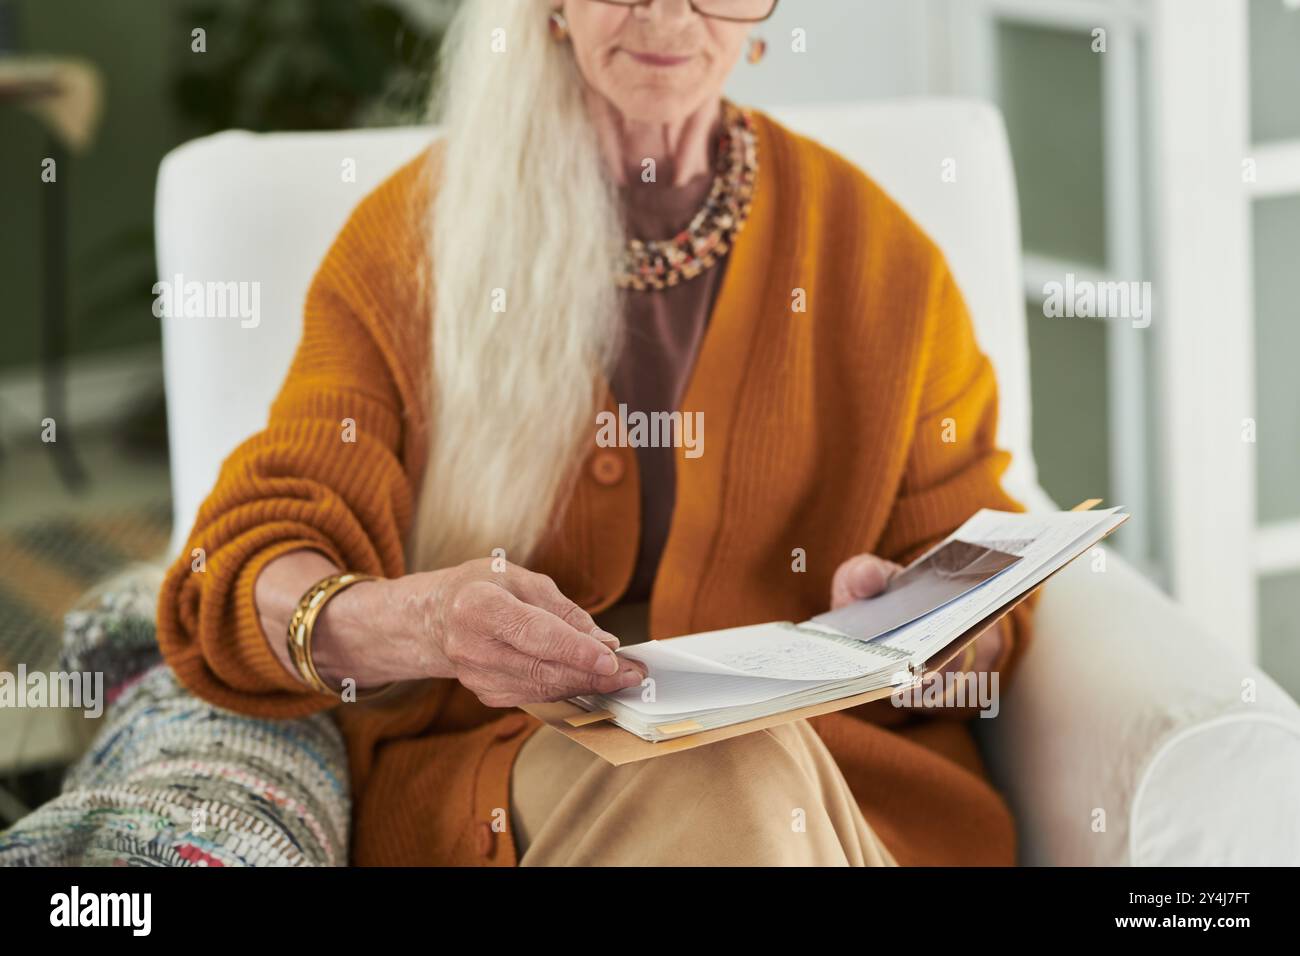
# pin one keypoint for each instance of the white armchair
(1128, 736)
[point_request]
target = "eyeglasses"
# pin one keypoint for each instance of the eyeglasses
(737, 11)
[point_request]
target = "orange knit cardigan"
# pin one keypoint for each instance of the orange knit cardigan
(826, 432)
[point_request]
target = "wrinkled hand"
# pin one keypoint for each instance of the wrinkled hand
(511, 637)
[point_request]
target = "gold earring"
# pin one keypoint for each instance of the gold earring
(559, 26)
(757, 49)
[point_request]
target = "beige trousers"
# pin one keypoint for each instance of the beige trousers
(772, 798)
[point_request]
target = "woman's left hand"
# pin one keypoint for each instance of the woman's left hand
(866, 575)
(863, 576)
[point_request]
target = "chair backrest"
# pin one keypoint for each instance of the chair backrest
(263, 209)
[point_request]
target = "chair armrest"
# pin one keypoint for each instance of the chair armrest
(1131, 737)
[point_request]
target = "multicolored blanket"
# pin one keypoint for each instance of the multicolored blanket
(171, 780)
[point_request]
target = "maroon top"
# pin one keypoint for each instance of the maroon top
(662, 336)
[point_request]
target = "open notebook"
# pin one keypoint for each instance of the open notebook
(702, 682)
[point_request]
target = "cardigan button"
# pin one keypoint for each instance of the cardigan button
(607, 467)
(487, 840)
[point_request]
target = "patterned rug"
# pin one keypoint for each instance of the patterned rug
(48, 564)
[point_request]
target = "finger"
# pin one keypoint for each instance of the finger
(540, 634)
(541, 591)
(864, 576)
(507, 672)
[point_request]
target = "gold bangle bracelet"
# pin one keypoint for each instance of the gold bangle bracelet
(302, 623)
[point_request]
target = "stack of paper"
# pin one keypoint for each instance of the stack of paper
(719, 678)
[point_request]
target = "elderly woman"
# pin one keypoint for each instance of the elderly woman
(429, 504)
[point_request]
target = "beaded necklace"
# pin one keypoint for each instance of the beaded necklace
(663, 263)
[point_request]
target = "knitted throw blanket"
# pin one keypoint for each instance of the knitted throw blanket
(171, 780)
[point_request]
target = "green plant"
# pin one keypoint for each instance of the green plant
(278, 65)
(303, 64)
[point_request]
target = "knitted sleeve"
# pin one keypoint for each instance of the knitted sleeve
(326, 473)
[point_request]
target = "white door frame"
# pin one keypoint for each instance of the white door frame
(1200, 109)
(1193, 239)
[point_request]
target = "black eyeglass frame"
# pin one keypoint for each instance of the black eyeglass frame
(630, 4)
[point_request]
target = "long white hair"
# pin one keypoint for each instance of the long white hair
(525, 221)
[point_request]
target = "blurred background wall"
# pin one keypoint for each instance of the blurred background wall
(1100, 138)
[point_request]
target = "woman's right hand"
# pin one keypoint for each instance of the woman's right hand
(509, 636)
